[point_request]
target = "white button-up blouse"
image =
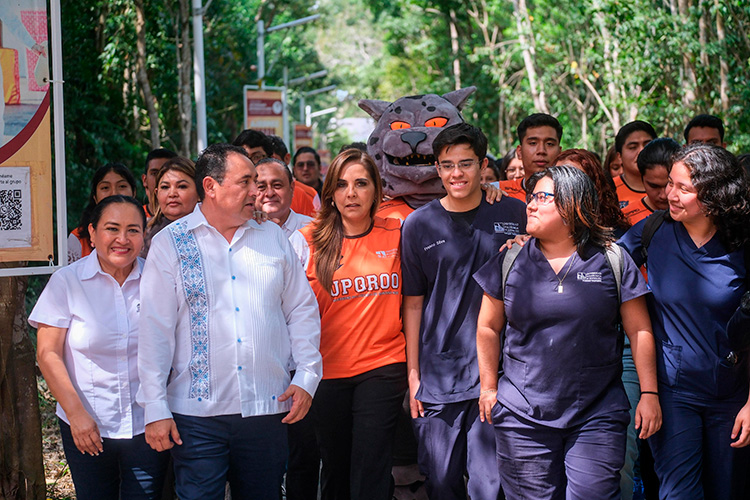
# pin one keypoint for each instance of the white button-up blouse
(101, 344)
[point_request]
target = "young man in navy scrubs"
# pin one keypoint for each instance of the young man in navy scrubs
(443, 244)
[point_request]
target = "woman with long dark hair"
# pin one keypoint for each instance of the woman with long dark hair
(697, 269)
(108, 180)
(353, 265)
(559, 409)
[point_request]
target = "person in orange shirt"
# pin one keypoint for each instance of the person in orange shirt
(539, 136)
(629, 142)
(353, 263)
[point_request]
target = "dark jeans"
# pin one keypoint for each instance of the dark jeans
(249, 452)
(355, 422)
(127, 469)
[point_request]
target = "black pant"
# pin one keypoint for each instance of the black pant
(355, 422)
(303, 468)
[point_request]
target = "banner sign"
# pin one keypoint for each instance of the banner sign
(264, 111)
(303, 136)
(25, 146)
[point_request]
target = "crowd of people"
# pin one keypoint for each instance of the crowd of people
(546, 325)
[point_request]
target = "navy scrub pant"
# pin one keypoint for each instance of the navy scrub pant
(355, 422)
(127, 469)
(691, 451)
(453, 442)
(581, 462)
(249, 452)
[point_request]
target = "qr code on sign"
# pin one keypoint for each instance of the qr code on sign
(10, 209)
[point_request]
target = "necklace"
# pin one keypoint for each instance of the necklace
(707, 238)
(560, 281)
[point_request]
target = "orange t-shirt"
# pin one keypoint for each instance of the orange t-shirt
(361, 317)
(302, 199)
(86, 247)
(395, 208)
(630, 201)
(514, 189)
(641, 213)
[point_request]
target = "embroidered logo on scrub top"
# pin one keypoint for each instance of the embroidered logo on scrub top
(194, 284)
(592, 277)
(507, 227)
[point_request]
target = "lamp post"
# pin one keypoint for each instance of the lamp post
(260, 41)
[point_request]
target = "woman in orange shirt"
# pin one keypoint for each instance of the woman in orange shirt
(353, 265)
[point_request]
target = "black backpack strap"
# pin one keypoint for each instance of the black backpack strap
(653, 223)
(510, 257)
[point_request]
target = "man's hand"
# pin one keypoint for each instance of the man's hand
(158, 434)
(301, 402)
(520, 239)
(487, 400)
(493, 194)
(741, 429)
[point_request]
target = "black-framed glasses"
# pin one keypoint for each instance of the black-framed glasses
(448, 166)
(256, 157)
(306, 164)
(540, 197)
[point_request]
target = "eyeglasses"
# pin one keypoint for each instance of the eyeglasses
(256, 157)
(540, 197)
(306, 164)
(462, 165)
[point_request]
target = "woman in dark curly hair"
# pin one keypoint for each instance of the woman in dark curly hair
(697, 272)
(609, 208)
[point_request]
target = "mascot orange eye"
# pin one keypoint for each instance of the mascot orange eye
(438, 121)
(399, 125)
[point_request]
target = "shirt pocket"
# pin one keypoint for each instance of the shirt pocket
(672, 360)
(454, 370)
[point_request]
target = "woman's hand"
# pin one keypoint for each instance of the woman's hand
(741, 428)
(648, 415)
(415, 406)
(85, 433)
(520, 239)
(487, 400)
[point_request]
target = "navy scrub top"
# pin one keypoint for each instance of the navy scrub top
(438, 257)
(695, 293)
(562, 355)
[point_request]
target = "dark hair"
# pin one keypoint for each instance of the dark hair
(278, 145)
(609, 206)
(116, 167)
(629, 128)
(657, 152)
(577, 202)
(495, 169)
(254, 139)
(538, 120)
(708, 121)
(461, 133)
(158, 154)
(354, 145)
(744, 160)
(96, 213)
(213, 163)
(278, 162)
(328, 228)
(306, 149)
(723, 188)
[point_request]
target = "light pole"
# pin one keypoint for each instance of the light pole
(260, 41)
(199, 76)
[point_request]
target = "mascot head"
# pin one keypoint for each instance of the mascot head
(401, 143)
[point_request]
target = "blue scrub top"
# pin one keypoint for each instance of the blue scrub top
(695, 293)
(562, 355)
(438, 257)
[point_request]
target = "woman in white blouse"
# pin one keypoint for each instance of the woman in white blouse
(87, 341)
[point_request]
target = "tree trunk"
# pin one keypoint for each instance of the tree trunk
(21, 464)
(184, 67)
(723, 65)
(526, 40)
(454, 49)
(148, 96)
(689, 81)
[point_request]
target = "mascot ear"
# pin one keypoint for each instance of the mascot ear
(457, 97)
(375, 108)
